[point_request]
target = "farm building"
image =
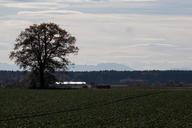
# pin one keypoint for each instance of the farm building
(69, 85)
(103, 86)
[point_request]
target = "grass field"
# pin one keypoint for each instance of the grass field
(91, 108)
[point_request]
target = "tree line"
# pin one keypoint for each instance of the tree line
(153, 78)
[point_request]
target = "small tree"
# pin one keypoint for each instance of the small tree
(43, 49)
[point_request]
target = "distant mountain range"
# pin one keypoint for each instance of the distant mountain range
(98, 67)
(8, 67)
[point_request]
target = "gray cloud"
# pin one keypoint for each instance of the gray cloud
(121, 31)
(166, 7)
(127, 39)
(60, 12)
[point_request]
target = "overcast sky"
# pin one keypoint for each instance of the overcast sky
(142, 34)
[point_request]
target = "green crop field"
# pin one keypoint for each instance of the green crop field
(92, 108)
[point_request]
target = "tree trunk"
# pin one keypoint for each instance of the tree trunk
(42, 81)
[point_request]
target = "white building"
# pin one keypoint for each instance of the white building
(69, 85)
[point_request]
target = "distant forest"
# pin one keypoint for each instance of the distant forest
(139, 78)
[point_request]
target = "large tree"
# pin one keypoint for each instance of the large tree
(42, 49)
